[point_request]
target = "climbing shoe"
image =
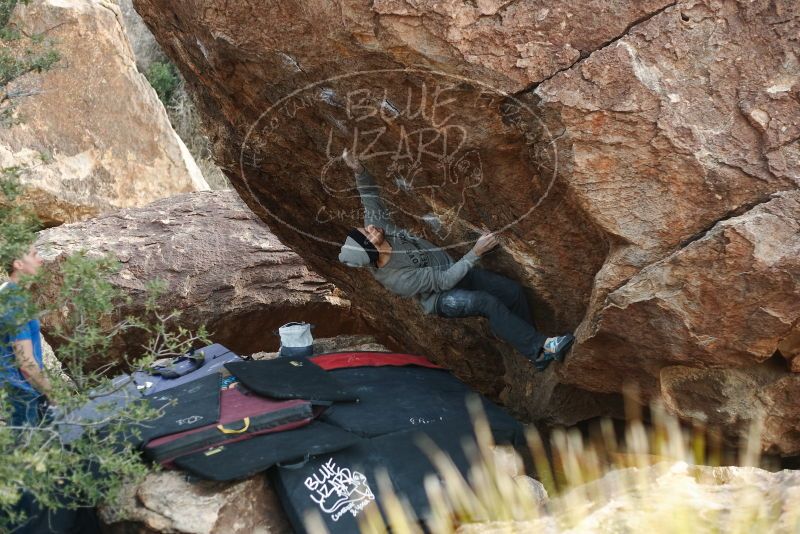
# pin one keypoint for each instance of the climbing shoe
(557, 347)
(543, 360)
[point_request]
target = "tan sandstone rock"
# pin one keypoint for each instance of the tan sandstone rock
(668, 498)
(736, 400)
(222, 267)
(168, 502)
(636, 131)
(726, 300)
(146, 50)
(90, 131)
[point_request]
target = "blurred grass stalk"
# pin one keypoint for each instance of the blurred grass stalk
(645, 483)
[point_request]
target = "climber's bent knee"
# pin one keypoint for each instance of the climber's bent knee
(465, 303)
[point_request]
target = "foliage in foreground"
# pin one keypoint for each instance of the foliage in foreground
(82, 304)
(653, 480)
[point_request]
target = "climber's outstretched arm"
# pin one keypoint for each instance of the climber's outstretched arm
(375, 211)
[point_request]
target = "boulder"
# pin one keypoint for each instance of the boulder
(661, 147)
(726, 300)
(221, 265)
(89, 133)
(688, 162)
(789, 348)
(615, 144)
(170, 502)
(762, 397)
(180, 108)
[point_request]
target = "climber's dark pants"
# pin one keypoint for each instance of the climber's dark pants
(500, 300)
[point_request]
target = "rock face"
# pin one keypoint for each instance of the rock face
(726, 299)
(641, 158)
(663, 147)
(90, 130)
(736, 399)
(222, 268)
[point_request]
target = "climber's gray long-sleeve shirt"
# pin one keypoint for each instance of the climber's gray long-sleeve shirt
(417, 267)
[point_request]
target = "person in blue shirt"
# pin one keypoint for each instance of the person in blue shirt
(21, 367)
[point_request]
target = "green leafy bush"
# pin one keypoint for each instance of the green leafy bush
(19, 54)
(6, 8)
(164, 78)
(81, 303)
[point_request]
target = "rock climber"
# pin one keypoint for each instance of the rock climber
(410, 266)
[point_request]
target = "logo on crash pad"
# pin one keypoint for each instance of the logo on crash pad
(339, 490)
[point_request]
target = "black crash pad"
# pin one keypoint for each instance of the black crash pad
(245, 458)
(340, 485)
(401, 398)
(184, 407)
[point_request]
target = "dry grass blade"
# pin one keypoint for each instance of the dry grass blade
(653, 480)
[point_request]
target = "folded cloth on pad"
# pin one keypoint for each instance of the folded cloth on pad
(102, 405)
(242, 416)
(245, 458)
(290, 378)
(186, 369)
(182, 408)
